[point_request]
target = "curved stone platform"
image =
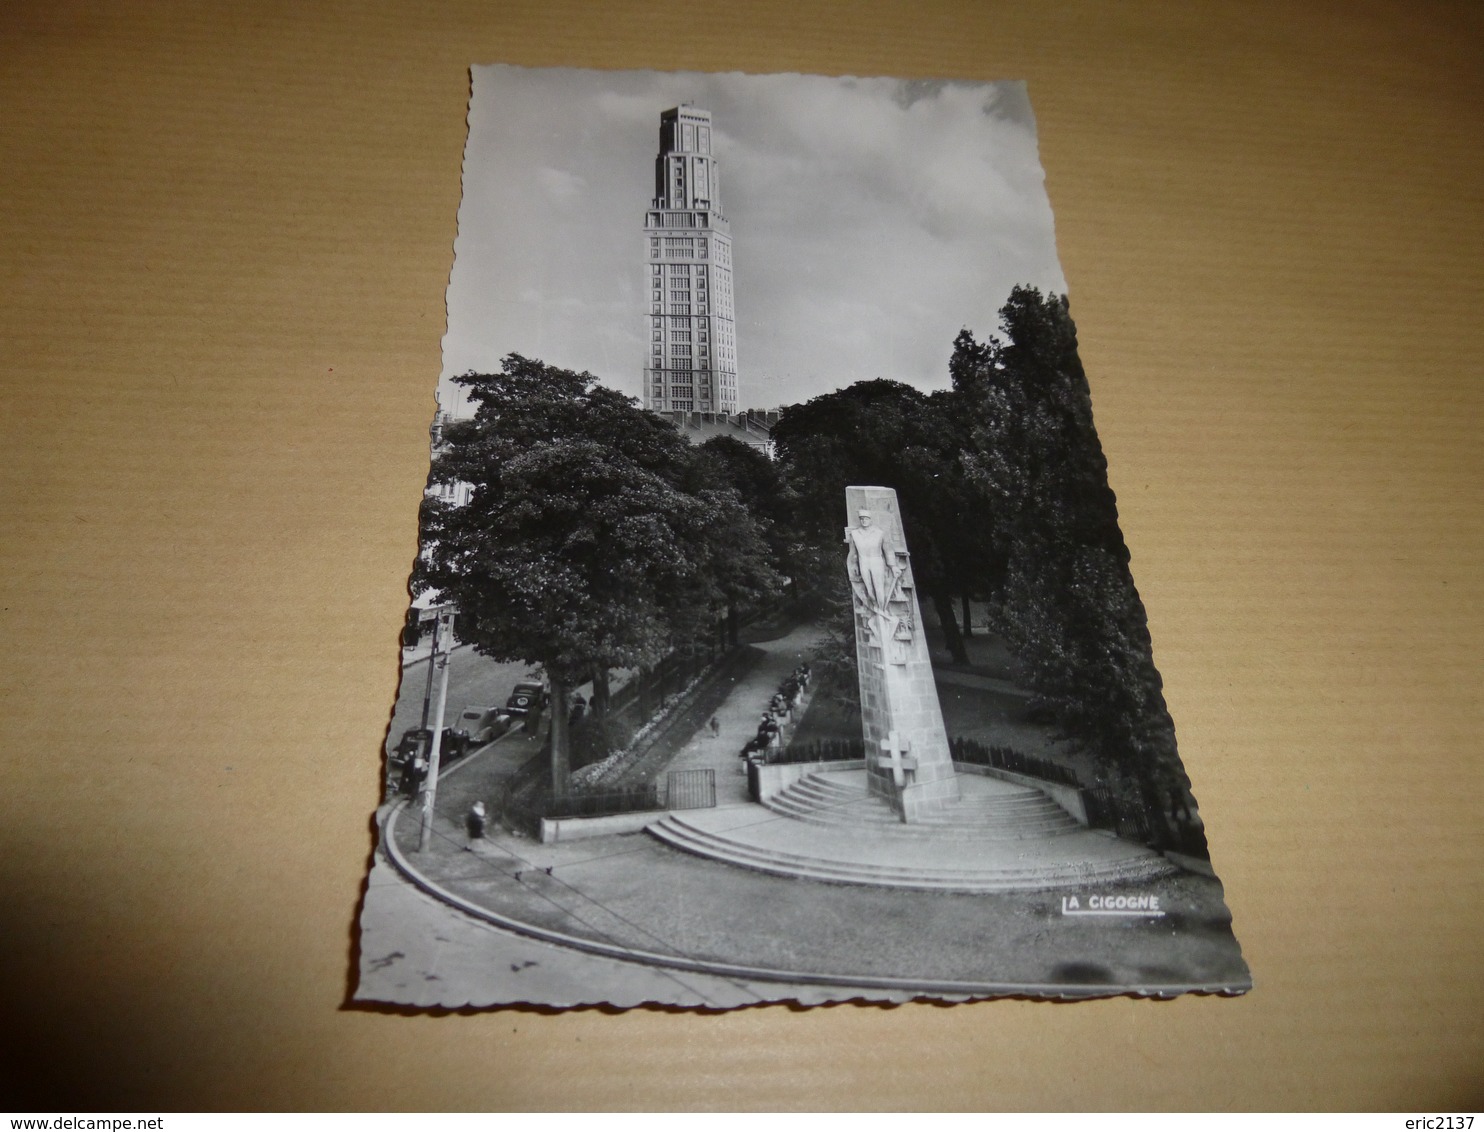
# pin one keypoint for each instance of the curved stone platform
(997, 838)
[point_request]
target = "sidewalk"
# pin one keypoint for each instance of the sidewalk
(738, 716)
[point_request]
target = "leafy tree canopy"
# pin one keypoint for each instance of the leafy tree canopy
(887, 434)
(591, 536)
(1066, 605)
(1004, 496)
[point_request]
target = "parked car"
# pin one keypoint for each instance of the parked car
(419, 740)
(526, 698)
(482, 724)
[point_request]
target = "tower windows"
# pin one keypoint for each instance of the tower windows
(682, 234)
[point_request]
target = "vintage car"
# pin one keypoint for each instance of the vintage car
(418, 740)
(527, 698)
(482, 724)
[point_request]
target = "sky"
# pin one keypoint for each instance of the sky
(872, 219)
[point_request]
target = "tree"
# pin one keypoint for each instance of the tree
(887, 434)
(1004, 495)
(590, 540)
(727, 463)
(1067, 605)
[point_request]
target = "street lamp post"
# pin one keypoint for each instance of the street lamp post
(443, 630)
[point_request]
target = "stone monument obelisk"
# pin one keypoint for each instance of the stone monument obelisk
(907, 757)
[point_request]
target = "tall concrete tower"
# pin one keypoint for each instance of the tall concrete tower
(692, 361)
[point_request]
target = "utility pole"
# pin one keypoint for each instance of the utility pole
(444, 630)
(429, 615)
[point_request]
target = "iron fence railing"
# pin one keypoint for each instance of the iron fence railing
(974, 753)
(690, 789)
(1105, 810)
(821, 751)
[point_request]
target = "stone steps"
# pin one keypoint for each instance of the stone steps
(1033, 802)
(844, 856)
(988, 810)
(990, 827)
(1007, 797)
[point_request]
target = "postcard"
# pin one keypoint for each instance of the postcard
(772, 634)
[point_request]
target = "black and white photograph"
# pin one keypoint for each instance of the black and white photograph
(772, 636)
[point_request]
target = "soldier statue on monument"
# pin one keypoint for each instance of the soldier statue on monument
(877, 569)
(873, 574)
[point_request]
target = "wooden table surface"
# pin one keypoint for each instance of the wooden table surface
(226, 231)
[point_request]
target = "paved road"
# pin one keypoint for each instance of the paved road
(419, 951)
(472, 680)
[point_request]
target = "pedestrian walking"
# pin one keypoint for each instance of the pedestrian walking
(474, 822)
(715, 727)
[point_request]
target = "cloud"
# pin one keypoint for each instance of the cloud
(872, 219)
(559, 185)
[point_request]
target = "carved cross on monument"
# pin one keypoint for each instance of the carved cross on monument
(896, 758)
